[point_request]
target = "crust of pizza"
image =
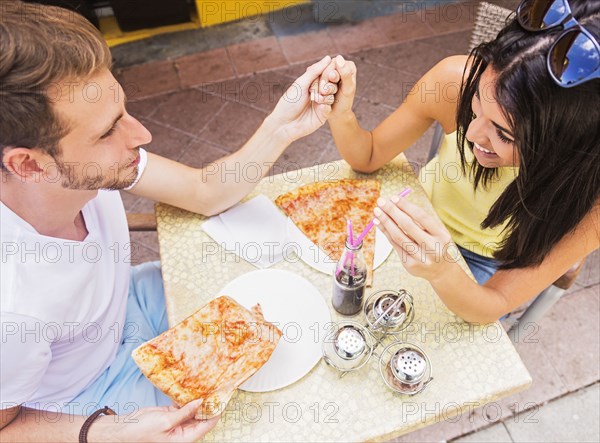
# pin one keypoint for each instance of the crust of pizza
(209, 354)
(321, 210)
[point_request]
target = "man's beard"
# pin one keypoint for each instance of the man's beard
(98, 179)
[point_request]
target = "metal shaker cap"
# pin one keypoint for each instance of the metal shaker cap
(408, 365)
(393, 316)
(349, 348)
(405, 368)
(349, 342)
(389, 311)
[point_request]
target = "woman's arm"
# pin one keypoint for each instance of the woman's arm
(434, 97)
(427, 251)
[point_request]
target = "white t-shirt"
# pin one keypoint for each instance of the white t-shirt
(62, 303)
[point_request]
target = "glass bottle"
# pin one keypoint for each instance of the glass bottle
(349, 280)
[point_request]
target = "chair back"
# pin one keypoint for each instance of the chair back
(489, 21)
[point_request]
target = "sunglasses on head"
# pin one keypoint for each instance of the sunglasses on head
(574, 58)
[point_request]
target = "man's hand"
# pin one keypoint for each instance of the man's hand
(302, 110)
(157, 424)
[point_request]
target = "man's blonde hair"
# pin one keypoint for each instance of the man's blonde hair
(41, 45)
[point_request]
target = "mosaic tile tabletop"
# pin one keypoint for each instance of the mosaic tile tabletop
(472, 365)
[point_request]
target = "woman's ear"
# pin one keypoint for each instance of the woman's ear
(22, 163)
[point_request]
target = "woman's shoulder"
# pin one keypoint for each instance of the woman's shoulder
(451, 68)
(449, 71)
(440, 88)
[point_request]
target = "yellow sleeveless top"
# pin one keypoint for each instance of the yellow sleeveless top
(460, 207)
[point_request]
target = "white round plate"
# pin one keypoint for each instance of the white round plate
(297, 308)
(313, 256)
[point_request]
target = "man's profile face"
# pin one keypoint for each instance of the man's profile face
(101, 148)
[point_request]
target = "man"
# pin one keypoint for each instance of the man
(72, 309)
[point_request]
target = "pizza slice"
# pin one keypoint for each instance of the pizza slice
(321, 210)
(209, 354)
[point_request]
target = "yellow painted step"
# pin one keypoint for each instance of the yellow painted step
(213, 12)
(208, 13)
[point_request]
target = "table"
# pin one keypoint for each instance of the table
(472, 365)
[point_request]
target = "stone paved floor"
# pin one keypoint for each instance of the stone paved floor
(201, 106)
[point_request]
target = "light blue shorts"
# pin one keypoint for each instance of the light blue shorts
(482, 267)
(122, 386)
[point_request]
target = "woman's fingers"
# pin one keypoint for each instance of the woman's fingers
(328, 80)
(347, 72)
(393, 232)
(328, 88)
(320, 99)
(404, 221)
(428, 222)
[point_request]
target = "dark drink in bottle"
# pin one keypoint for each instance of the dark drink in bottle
(349, 281)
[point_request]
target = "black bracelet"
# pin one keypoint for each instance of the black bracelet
(88, 422)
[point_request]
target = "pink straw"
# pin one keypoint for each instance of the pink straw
(351, 240)
(364, 233)
(350, 233)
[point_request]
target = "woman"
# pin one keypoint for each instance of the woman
(524, 131)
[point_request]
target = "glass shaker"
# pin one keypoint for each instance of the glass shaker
(349, 280)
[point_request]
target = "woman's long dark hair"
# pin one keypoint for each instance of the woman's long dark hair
(557, 137)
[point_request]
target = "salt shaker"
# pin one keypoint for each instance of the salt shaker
(349, 280)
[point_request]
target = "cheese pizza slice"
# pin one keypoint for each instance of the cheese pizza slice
(209, 354)
(321, 211)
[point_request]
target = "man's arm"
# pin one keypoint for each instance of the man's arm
(146, 425)
(8, 415)
(215, 188)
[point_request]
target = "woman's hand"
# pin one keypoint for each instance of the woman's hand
(345, 77)
(155, 424)
(423, 242)
(302, 110)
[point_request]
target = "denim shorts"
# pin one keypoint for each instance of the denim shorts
(122, 386)
(481, 267)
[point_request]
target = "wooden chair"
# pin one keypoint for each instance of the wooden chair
(490, 19)
(140, 222)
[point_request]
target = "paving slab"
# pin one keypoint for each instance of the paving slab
(403, 27)
(590, 274)
(494, 434)
(150, 79)
(263, 91)
(166, 141)
(352, 37)
(415, 57)
(200, 154)
(450, 17)
(390, 86)
(303, 47)
(204, 67)
(233, 126)
(188, 111)
(573, 418)
(256, 55)
(570, 334)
